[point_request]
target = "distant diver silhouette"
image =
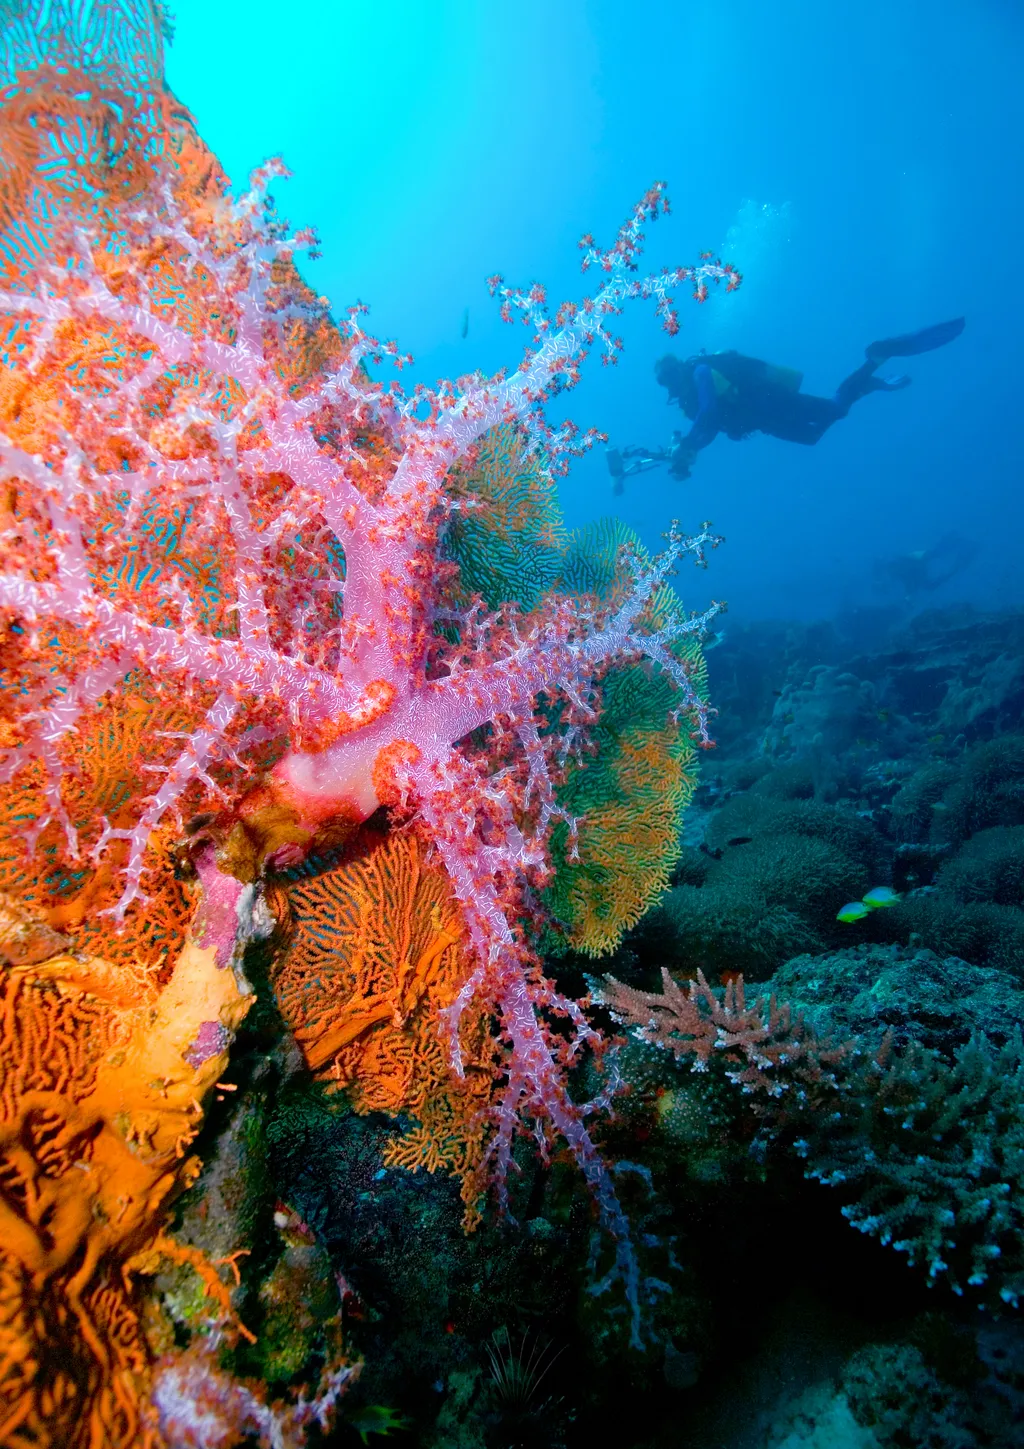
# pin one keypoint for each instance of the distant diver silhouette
(925, 569)
(726, 392)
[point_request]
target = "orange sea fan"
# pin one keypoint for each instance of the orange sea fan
(376, 949)
(99, 1102)
(106, 774)
(82, 113)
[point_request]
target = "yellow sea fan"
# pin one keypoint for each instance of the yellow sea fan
(630, 793)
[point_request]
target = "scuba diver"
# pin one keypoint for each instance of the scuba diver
(924, 570)
(725, 392)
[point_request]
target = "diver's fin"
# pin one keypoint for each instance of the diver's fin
(913, 343)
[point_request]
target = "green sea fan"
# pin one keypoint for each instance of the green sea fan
(630, 794)
(507, 537)
(629, 798)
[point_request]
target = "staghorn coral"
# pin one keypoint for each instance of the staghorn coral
(764, 812)
(770, 1054)
(973, 909)
(925, 1145)
(933, 1162)
(100, 1100)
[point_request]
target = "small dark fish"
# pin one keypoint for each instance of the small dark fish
(464, 329)
(740, 840)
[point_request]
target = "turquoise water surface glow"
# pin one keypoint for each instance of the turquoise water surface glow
(861, 160)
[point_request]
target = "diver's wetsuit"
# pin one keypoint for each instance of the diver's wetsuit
(726, 392)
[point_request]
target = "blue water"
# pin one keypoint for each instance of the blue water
(860, 163)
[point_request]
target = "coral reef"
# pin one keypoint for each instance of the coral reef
(200, 376)
(305, 684)
(251, 601)
(764, 887)
(928, 1148)
(938, 1387)
(932, 1161)
(958, 821)
(764, 1050)
(989, 867)
(925, 1144)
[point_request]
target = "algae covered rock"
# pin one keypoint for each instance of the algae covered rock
(988, 867)
(912, 995)
(766, 887)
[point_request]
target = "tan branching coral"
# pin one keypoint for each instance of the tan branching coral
(767, 1051)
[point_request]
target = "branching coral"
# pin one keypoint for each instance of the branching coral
(934, 1163)
(925, 1147)
(769, 1053)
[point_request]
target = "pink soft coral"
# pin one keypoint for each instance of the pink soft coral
(205, 490)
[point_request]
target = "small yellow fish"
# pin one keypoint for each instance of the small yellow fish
(854, 911)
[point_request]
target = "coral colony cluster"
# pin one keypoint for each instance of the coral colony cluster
(264, 670)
